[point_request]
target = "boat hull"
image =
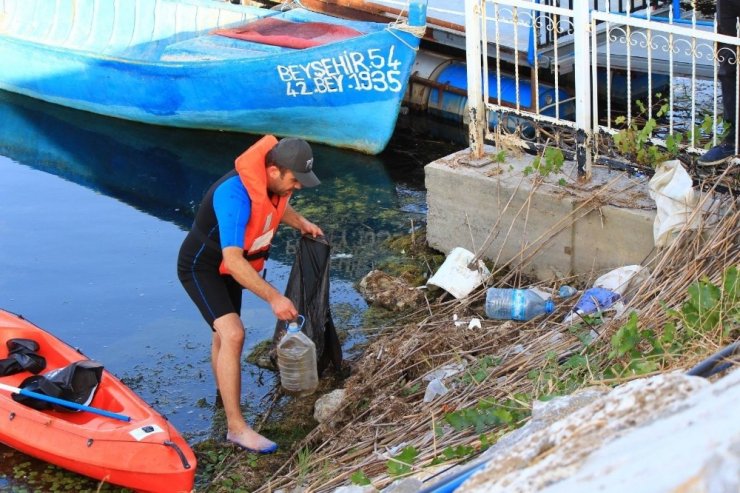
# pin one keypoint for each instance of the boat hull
(144, 454)
(345, 93)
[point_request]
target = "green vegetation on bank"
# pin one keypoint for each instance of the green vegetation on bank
(710, 311)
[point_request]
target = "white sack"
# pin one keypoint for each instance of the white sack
(455, 277)
(675, 198)
(623, 280)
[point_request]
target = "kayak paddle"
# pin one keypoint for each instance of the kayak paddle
(65, 403)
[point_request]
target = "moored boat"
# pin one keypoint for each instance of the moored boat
(115, 438)
(214, 65)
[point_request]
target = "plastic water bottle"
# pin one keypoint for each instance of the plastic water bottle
(515, 304)
(296, 355)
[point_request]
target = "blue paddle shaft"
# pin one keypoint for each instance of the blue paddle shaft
(73, 405)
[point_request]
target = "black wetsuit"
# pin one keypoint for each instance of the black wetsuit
(220, 222)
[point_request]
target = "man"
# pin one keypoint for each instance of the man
(227, 247)
(727, 14)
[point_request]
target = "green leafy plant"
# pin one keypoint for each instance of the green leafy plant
(551, 161)
(359, 478)
(705, 130)
(707, 308)
(499, 157)
(411, 390)
(710, 306)
(480, 370)
(560, 376)
(633, 141)
(401, 463)
(628, 341)
(453, 453)
(486, 414)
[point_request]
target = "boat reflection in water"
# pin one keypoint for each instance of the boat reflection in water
(165, 172)
(98, 269)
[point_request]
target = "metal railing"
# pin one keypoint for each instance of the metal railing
(592, 69)
(615, 5)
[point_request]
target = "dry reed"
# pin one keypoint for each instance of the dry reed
(379, 418)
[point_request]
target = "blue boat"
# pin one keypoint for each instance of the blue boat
(213, 65)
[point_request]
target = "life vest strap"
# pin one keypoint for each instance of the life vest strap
(257, 255)
(213, 244)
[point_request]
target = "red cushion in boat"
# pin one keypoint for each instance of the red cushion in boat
(290, 34)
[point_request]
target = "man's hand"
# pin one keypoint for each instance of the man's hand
(283, 308)
(309, 228)
(245, 275)
(295, 220)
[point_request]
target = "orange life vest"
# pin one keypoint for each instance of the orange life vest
(265, 216)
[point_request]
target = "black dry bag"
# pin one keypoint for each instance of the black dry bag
(76, 382)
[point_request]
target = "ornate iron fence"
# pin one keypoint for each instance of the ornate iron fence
(575, 73)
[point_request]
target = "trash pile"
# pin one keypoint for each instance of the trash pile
(465, 367)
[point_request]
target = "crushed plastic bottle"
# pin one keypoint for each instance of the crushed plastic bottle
(515, 304)
(566, 291)
(296, 355)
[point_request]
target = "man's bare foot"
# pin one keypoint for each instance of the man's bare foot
(252, 441)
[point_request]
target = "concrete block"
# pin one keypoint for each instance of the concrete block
(549, 227)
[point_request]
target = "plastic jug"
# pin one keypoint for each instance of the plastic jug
(296, 355)
(515, 304)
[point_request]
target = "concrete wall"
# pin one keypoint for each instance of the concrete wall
(545, 228)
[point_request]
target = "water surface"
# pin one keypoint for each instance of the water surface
(92, 213)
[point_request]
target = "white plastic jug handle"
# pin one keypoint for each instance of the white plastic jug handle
(300, 325)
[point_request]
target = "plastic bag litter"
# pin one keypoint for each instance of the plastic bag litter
(455, 277)
(623, 280)
(445, 371)
(610, 290)
(434, 389)
(592, 300)
(596, 299)
(676, 200)
(436, 386)
(474, 322)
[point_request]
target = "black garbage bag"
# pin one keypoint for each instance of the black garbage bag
(308, 289)
(76, 382)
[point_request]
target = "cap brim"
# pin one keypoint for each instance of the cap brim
(307, 179)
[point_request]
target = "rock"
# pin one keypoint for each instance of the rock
(355, 489)
(327, 405)
(407, 485)
(544, 414)
(390, 292)
(666, 433)
(548, 412)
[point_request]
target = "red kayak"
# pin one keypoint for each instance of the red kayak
(116, 437)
